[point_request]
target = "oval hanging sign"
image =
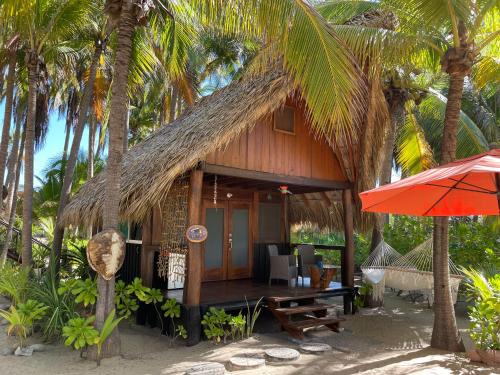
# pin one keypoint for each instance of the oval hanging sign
(106, 252)
(196, 233)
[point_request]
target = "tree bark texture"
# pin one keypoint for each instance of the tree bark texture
(73, 157)
(445, 334)
(11, 167)
(32, 62)
(117, 122)
(12, 200)
(9, 98)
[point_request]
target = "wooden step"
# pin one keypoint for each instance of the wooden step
(294, 298)
(302, 309)
(296, 329)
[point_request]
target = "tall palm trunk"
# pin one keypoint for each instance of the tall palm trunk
(445, 334)
(73, 156)
(9, 98)
(11, 166)
(12, 200)
(90, 156)
(396, 107)
(32, 62)
(173, 103)
(117, 122)
(66, 139)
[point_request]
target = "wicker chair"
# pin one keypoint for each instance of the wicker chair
(282, 267)
(307, 258)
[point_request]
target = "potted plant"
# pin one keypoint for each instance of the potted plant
(484, 316)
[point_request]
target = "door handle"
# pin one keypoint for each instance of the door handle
(230, 241)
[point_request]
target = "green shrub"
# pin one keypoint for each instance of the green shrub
(172, 310)
(215, 321)
(22, 319)
(14, 282)
(80, 333)
(484, 315)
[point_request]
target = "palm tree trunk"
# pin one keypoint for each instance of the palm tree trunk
(32, 62)
(117, 122)
(90, 157)
(397, 111)
(11, 167)
(9, 98)
(445, 334)
(126, 128)
(12, 200)
(66, 139)
(73, 157)
(173, 103)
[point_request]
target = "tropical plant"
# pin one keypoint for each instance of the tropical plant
(215, 322)
(22, 319)
(85, 291)
(484, 314)
(110, 324)
(172, 310)
(252, 317)
(80, 333)
(61, 306)
(237, 324)
(14, 283)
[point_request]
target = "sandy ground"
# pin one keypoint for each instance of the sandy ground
(389, 340)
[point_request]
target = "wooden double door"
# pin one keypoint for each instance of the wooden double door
(227, 250)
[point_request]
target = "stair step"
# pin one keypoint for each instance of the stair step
(294, 298)
(313, 322)
(302, 309)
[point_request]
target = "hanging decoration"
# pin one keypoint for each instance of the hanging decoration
(215, 190)
(171, 262)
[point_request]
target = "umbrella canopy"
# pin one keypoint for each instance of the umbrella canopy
(464, 187)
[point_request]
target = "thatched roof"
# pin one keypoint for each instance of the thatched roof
(150, 167)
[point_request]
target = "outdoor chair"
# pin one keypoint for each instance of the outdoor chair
(282, 267)
(307, 258)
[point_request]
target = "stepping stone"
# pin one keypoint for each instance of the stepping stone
(247, 361)
(315, 348)
(282, 355)
(23, 352)
(207, 368)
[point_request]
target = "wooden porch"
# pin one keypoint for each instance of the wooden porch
(234, 294)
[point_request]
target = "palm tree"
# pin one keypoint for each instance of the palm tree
(11, 49)
(43, 27)
(99, 39)
(464, 36)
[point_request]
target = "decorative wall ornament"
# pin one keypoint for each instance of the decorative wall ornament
(172, 258)
(196, 233)
(106, 252)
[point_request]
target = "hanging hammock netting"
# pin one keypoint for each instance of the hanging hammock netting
(375, 266)
(410, 272)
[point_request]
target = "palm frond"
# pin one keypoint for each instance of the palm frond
(413, 153)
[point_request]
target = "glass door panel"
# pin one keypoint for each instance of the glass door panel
(214, 244)
(239, 240)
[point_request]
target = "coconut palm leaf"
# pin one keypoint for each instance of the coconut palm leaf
(413, 153)
(470, 139)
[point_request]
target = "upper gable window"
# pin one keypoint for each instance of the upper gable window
(284, 120)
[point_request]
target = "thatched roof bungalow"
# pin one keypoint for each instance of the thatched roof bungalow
(229, 163)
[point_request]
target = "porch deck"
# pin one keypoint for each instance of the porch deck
(231, 294)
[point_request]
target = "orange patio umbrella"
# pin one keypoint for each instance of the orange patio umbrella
(464, 187)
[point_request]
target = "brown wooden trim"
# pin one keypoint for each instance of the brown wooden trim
(277, 178)
(348, 258)
(192, 290)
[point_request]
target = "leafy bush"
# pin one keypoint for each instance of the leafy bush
(215, 321)
(484, 315)
(80, 333)
(172, 310)
(14, 282)
(22, 319)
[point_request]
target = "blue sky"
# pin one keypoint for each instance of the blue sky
(54, 143)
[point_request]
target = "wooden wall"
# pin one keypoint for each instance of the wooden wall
(266, 150)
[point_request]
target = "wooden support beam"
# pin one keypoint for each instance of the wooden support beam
(192, 287)
(348, 257)
(286, 219)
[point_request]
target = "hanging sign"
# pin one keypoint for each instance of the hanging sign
(196, 233)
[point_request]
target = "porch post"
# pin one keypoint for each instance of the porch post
(348, 258)
(192, 287)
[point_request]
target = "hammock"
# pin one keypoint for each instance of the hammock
(413, 271)
(374, 267)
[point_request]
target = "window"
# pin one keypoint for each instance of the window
(132, 232)
(284, 120)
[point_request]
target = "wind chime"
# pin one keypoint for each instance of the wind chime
(215, 190)
(171, 262)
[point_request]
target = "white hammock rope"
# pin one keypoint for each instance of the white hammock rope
(410, 272)
(413, 271)
(374, 267)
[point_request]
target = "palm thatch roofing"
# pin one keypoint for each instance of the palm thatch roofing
(151, 167)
